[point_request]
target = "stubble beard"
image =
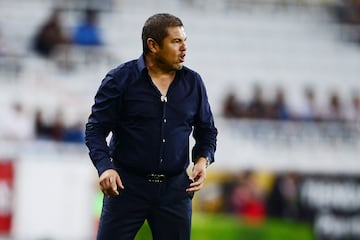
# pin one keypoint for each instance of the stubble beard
(179, 66)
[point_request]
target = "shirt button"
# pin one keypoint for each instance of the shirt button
(161, 160)
(163, 140)
(164, 120)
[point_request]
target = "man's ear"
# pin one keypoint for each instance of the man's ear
(152, 45)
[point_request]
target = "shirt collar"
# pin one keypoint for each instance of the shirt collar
(141, 63)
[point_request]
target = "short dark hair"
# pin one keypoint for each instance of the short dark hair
(156, 26)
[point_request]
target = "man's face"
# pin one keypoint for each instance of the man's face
(171, 54)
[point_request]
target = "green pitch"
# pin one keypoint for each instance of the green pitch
(214, 227)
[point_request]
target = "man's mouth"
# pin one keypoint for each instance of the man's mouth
(182, 58)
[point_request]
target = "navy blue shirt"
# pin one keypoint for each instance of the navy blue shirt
(150, 132)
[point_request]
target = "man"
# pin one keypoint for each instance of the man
(151, 106)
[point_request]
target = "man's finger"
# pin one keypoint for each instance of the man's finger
(105, 192)
(115, 192)
(194, 175)
(198, 180)
(197, 183)
(113, 186)
(119, 183)
(194, 188)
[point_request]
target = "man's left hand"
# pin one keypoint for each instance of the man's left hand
(198, 175)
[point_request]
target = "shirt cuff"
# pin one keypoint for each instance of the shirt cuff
(208, 158)
(104, 165)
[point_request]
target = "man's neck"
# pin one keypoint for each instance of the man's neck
(160, 77)
(155, 69)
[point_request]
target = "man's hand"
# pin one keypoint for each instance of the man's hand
(109, 182)
(198, 175)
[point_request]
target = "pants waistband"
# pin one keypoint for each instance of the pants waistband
(155, 177)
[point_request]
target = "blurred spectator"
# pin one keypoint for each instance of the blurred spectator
(282, 200)
(50, 35)
(57, 131)
(247, 199)
(335, 111)
(347, 11)
(257, 107)
(16, 124)
(88, 39)
(232, 108)
(354, 110)
(309, 110)
(87, 32)
(58, 127)
(279, 109)
(42, 130)
(74, 134)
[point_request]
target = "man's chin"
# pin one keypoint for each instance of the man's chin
(179, 66)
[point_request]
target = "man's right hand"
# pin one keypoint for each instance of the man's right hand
(109, 182)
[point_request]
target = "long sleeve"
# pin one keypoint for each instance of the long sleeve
(205, 132)
(101, 122)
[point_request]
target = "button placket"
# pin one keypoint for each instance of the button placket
(164, 100)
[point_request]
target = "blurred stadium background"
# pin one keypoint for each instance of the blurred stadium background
(283, 81)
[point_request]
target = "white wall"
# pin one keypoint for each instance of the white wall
(54, 196)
